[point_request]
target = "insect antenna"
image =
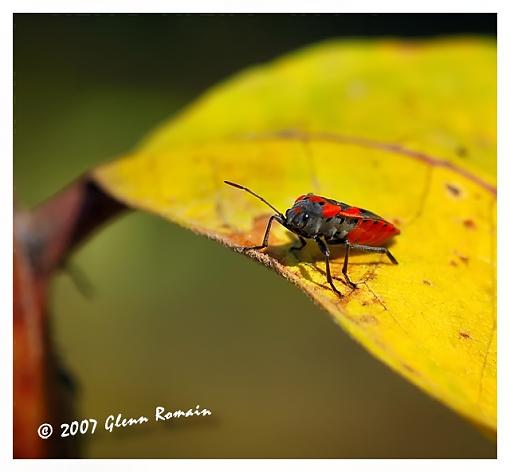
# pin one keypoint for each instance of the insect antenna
(255, 195)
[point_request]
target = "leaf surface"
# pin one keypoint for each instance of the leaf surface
(404, 129)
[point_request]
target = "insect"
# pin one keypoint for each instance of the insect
(329, 222)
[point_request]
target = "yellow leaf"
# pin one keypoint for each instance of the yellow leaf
(405, 129)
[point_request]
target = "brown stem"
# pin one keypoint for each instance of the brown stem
(51, 231)
(43, 239)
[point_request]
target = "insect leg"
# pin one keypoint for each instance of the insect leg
(382, 250)
(346, 262)
(325, 250)
(298, 248)
(266, 234)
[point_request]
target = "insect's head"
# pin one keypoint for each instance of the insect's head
(303, 217)
(296, 218)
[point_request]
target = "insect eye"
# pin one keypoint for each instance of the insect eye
(306, 217)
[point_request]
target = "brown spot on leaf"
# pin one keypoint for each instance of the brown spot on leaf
(463, 258)
(461, 151)
(469, 224)
(464, 335)
(427, 282)
(453, 190)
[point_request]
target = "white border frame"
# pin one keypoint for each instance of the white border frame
(247, 6)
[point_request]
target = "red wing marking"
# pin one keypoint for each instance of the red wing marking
(351, 211)
(316, 199)
(329, 210)
(372, 232)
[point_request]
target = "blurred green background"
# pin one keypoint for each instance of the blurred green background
(177, 320)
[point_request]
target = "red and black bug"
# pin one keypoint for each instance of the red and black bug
(330, 222)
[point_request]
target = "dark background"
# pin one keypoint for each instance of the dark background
(281, 379)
